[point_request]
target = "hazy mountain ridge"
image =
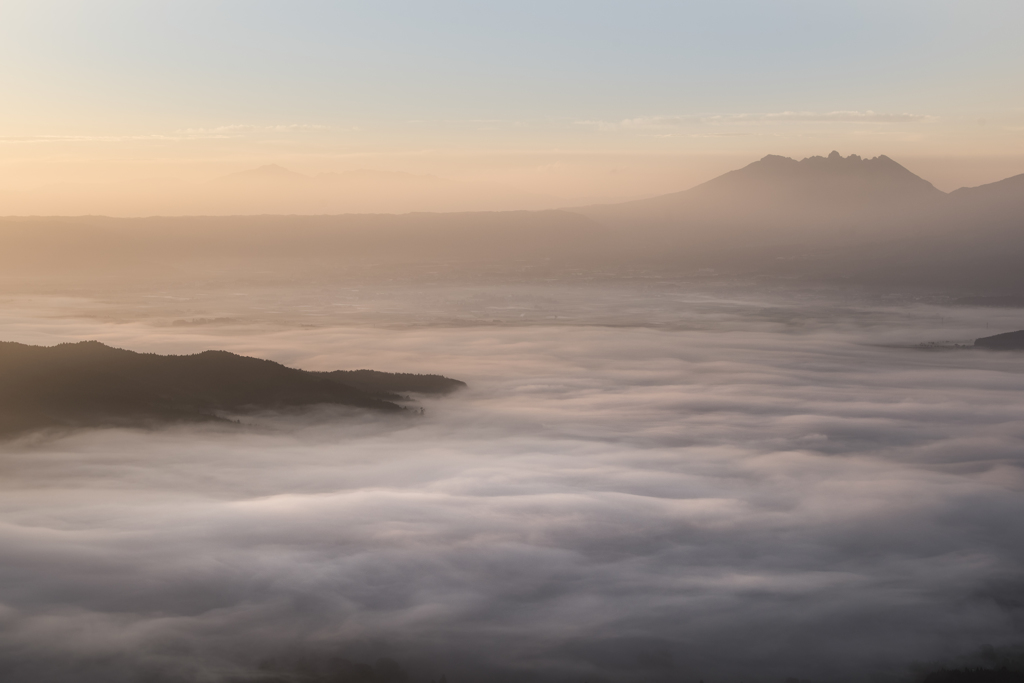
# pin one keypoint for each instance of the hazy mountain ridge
(90, 384)
(971, 240)
(997, 191)
(995, 206)
(866, 221)
(778, 200)
(847, 179)
(834, 218)
(267, 173)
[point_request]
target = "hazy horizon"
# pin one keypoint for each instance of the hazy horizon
(272, 188)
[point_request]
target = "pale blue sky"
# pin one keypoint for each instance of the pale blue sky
(208, 61)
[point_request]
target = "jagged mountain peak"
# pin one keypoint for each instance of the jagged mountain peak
(777, 199)
(850, 177)
(833, 161)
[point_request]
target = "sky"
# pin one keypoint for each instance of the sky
(568, 100)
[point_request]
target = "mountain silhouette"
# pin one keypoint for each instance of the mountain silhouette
(992, 207)
(88, 384)
(370, 175)
(272, 173)
(969, 242)
(778, 200)
(1009, 190)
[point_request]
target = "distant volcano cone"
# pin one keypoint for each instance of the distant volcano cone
(831, 199)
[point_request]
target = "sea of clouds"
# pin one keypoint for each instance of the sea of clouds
(647, 487)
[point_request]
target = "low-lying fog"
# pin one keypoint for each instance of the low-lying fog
(642, 483)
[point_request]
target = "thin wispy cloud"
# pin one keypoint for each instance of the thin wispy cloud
(661, 123)
(241, 129)
(215, 133)
(815, 117)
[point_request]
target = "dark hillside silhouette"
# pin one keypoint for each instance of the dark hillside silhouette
(91, 384)
(373, 380)
(1008, 341)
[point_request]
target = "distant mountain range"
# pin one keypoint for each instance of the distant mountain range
(843, 219)
(89, 384)
(834, 218)
(777, 200)
(818, 201)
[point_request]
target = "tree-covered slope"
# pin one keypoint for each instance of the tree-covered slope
(91, 384)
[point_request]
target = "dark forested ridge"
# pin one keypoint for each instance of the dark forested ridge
(373, 380)
(1008, 341)
(90, 384)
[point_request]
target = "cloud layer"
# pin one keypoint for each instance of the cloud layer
(735, 490)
